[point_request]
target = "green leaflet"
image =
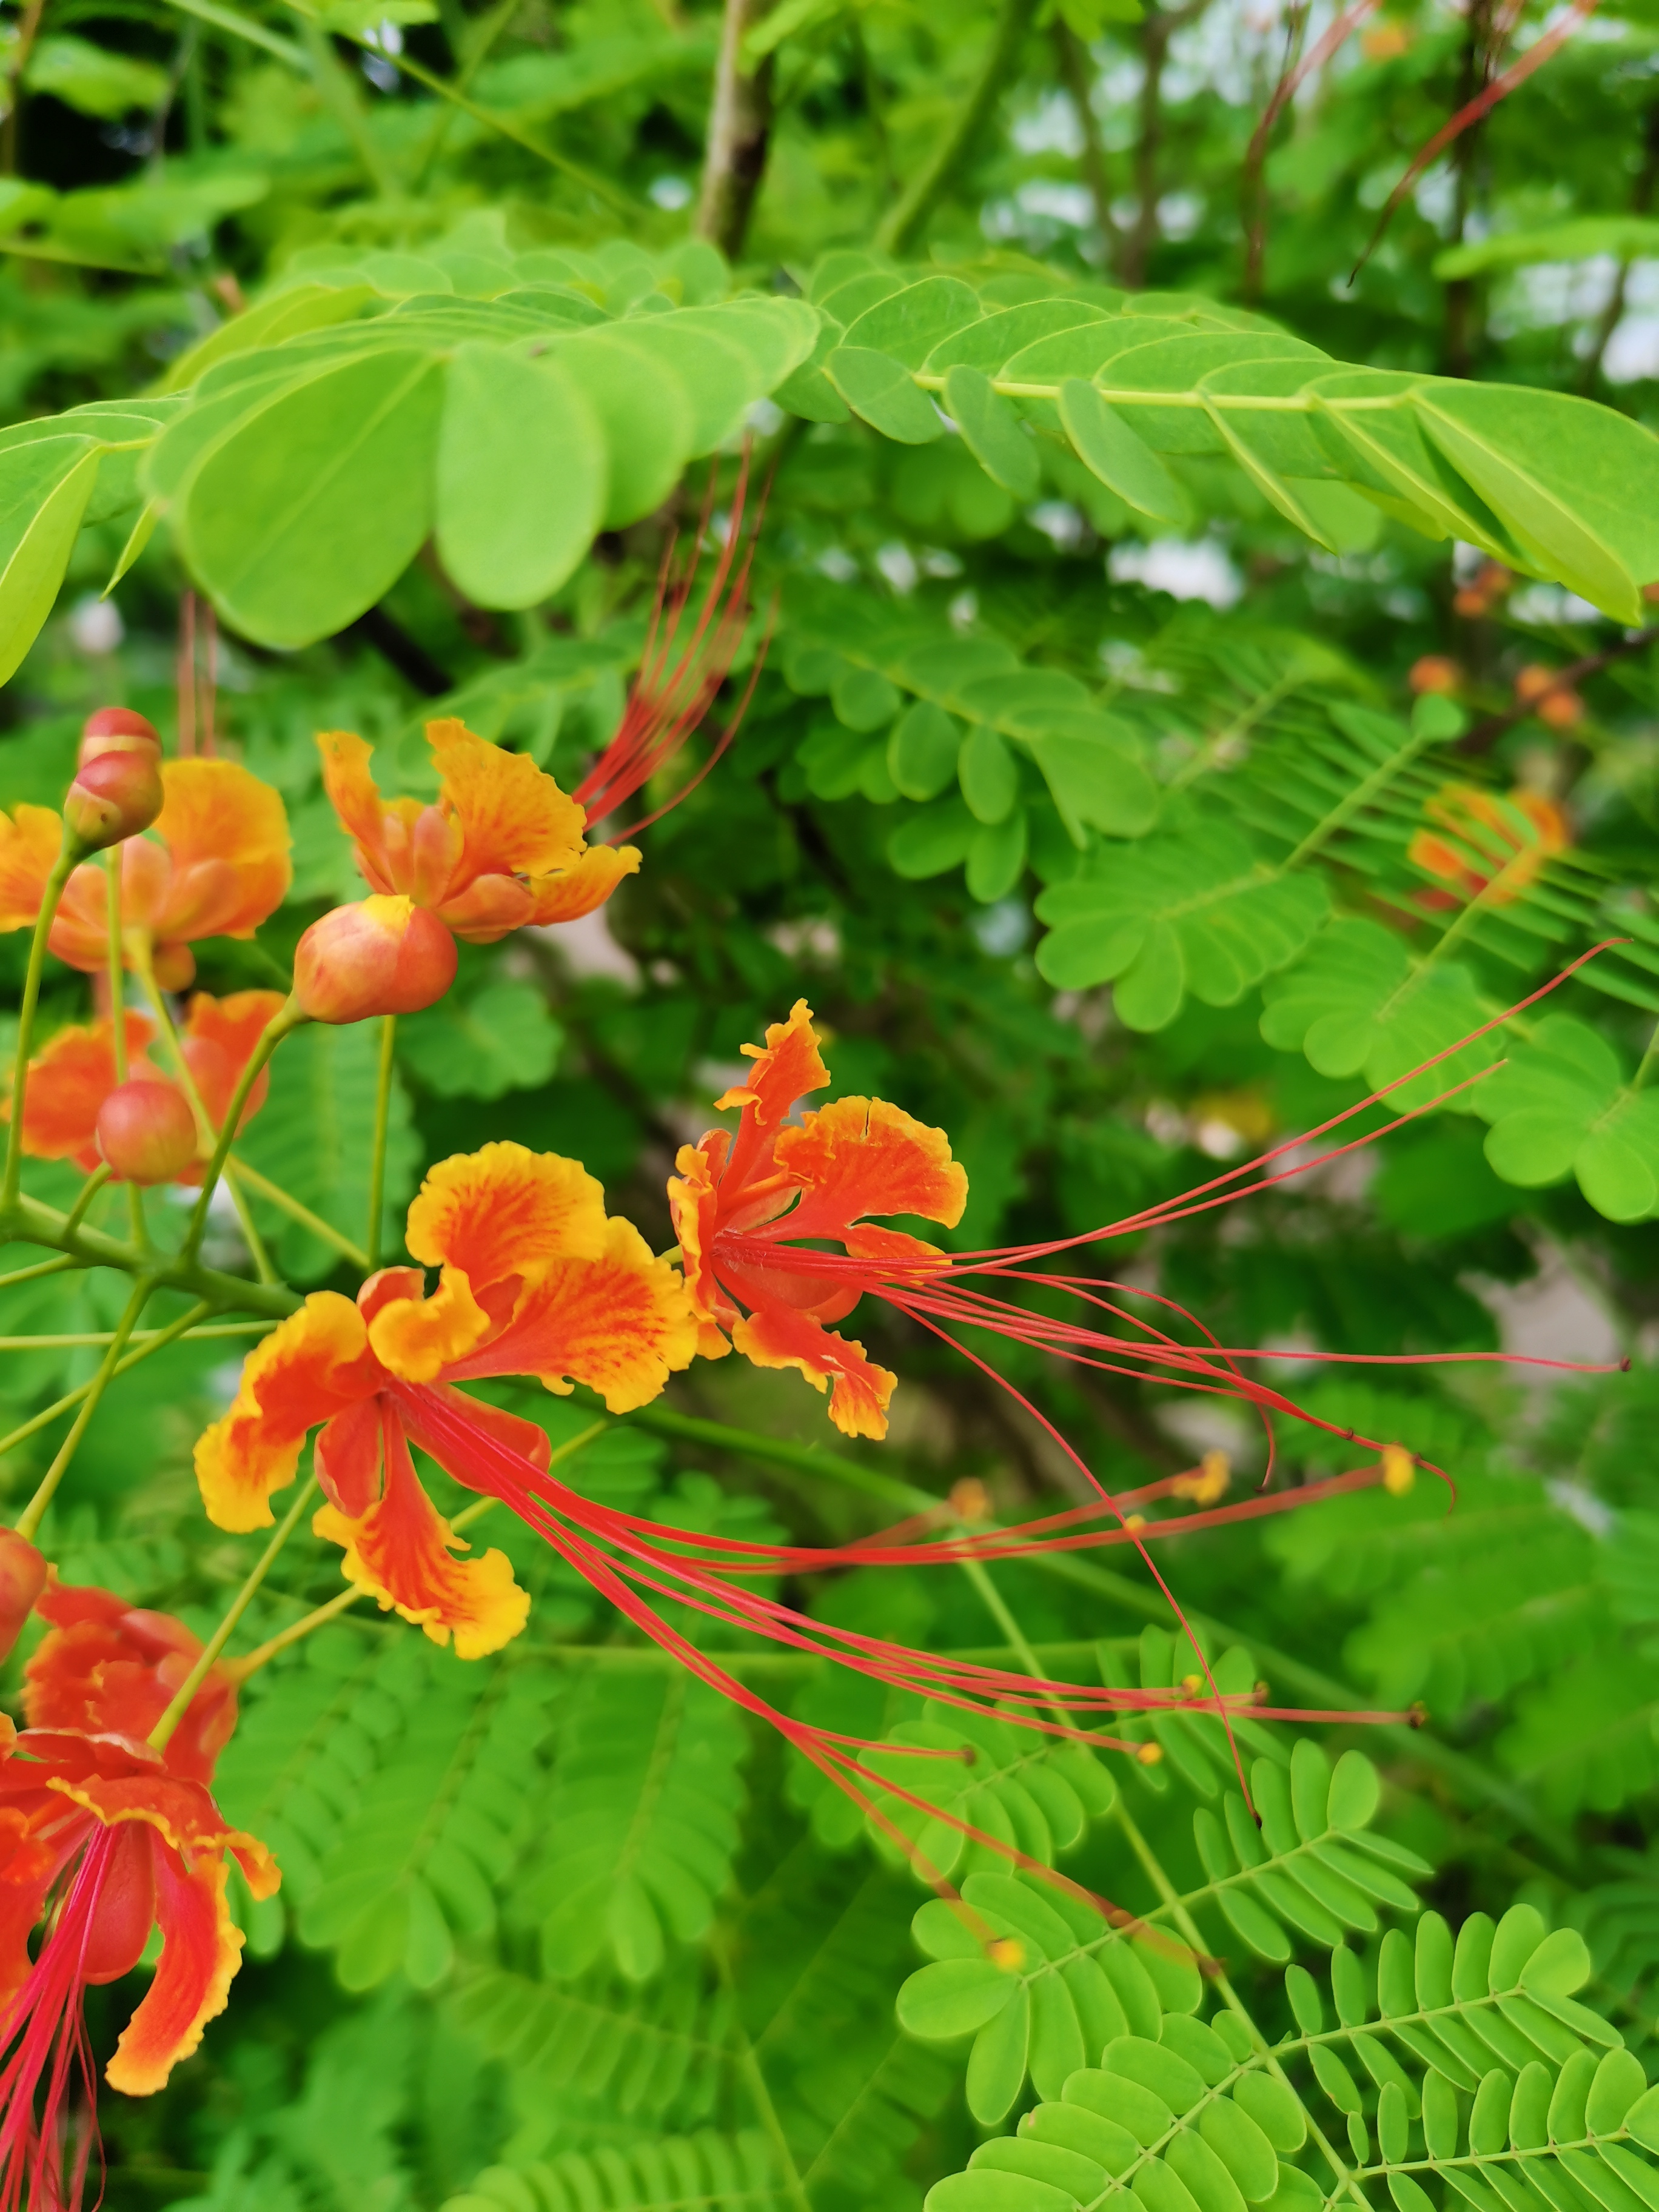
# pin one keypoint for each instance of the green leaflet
(40, 509)
(312, 1136)
(500, 1039)
(1561, 1107)
(1198, 913)
(709, 2168)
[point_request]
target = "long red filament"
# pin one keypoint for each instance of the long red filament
(45, 2029)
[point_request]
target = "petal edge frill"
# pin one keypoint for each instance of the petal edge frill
(201, 1951)
(779, 1336)
(314, 1366)
(862, 1155)
(515, 818)
(584, 886)
(503, 1210)
(401, 1551)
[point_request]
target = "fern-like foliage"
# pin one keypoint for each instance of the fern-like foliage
(1471, 2066)
(704, 2172)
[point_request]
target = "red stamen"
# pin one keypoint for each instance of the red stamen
(46, 2031)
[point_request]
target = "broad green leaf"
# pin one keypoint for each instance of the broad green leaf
(1561, 1107)
(93, 79)
(1626, 237)
(522, 478)
(992, 431)
(307, 513)
(501, 1039)
(47, 490)
(1122, 460)
(954, 1996)
(646, 412)
(884, 395)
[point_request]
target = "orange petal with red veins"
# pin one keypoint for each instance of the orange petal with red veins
(781, 1336)
(29, 1865)
(525, 1437)
(31, 838)
(227, 835)
(348, 779)
(584, 887)
(201, 1951)
(401, 1551)
(515, 818)
(694, 1204)
(620, 1324)
(505, 1211)
(348, 1457)
(414, 1338)
(314, 1366)
(861, 1156)
(69, 1081)
(219, 1041)
(786, 1069)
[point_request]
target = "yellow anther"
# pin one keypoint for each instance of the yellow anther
(1007, 1952)
(1133, 1522)
(969, 1499)
(1399, 1470)
(1208, 1483)
(1149, 1753)
(1192, 1684)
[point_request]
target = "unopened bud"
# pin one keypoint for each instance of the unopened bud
(114, 795)
(383, 956)
(22, 1578)
(116, 730)
(146, 1132)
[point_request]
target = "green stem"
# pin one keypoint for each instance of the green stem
(207, 1135)
(115, 965)
(62, 868)
(30, 1518)
(288, 1017)
(89, 1190)
(162, 1731)
(238, 1172)
(48, 1414)
(905, 221)
(1648, 1059)
(27, 1221)
(377, 1156)
(41, 1267)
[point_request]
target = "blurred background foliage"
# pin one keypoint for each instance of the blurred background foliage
(557, 1922)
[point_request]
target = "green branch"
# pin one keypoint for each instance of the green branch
(905, 221)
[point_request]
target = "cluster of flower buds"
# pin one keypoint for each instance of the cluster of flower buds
(117, 791)
(1475, 600)
(1555, 702)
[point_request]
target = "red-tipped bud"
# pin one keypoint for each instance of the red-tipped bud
(114, 795)
(383, 956)
(146, 1132)
(116, 730)
(22, 1578)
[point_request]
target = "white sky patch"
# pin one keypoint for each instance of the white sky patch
(1186, 570)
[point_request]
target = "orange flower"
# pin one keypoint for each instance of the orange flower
(819, 1179)
(215, 865)
(1481, 843)
(502, 845)
(535, 1280)
(73, 1075)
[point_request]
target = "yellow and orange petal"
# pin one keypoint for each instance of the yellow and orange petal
(584, 886)
(782, 1336)
(415, 1339)
(620, 1324)
(68, 1080)
(313, 1366)
(31, 838)
(786, 1067)
(227, 835)
(503, 1210)
(349, 781)
(694, 1206)
(862, 1155)
(219, 1040)
(513, 816)
(401, 1551)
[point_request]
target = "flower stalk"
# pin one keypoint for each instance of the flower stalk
(29, 1520)
(68, 856)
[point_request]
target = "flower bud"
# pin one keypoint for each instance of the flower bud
(114, 795)
(384, 955)
(22, 1578)
(146, 1132)
(116, 730)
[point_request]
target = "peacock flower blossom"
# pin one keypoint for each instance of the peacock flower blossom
(501, 848)
(821, 1178)
(1485, 846)
(535, 1280)
(216, 864)
(22, 1578)
(72, 1078)
(103, 1838)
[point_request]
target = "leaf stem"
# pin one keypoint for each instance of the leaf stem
(906, 220)
(48, 1414)
(162, 1731)
(28, 1521)
(115, 959)
(68, 854)
(377, 1156)
(238, 1172)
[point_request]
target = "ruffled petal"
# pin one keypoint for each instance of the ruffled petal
(694, 1204)
(505, 1211)
(786, 1067)
(227, 835)
(401, 1551)
(861, 1156)
(31, 838)
(782, 1336)
(108, 1668)
(620, 1324)
(584, 886)
(201, 1951)
(348, 779)
(414, 1338)
(314, 1366)
(515, 819)
(219, 1041)
(69, 1081)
